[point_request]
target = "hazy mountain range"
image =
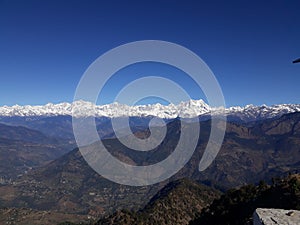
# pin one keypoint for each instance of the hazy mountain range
(42, 169)
(250, 153)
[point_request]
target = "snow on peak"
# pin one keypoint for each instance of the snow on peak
(188, 109)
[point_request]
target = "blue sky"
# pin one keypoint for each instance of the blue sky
(45, 46)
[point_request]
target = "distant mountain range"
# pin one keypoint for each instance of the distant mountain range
(189, 109)
(41, 168)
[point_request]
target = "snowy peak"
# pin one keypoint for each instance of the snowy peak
(251, 112)
(188, 109)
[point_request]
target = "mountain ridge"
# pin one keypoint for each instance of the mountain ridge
(22, 149)
(188, 109)
(69, 184)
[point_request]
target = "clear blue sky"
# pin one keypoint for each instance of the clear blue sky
(45, 46)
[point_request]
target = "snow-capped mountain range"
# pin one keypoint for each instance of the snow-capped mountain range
(189, 109)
